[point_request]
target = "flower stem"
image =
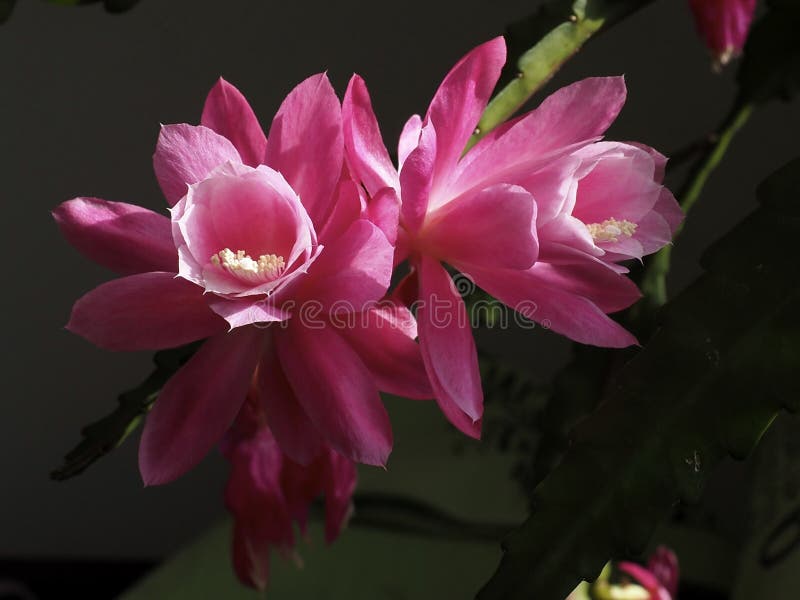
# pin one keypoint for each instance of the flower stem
(654, 282)
(577, 21)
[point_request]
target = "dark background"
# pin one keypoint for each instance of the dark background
(81, 99)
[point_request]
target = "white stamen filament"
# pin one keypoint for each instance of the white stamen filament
(268, 266)
(611, 230)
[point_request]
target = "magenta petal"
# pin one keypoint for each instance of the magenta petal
(294, 431)
(384, 339)
(409, 139)
(250, 555)
(574, 115)
(460, 100)
(227, 112)
(339, 483)
(448, 348)
(723, 25)
(383, 209)
(148, 311)
(366, 154)
(336, 391)
(305, 144)
(415, 178)
(122, 237)
(537, 296)
(351, 272)
(494, 227)
(245, 311)
(646, 579)
(186, 154)
(347, 208)
(198, 404)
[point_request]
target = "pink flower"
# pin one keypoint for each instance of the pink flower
(260, 232)
(267, 493)
(660, 577)
(723, 25)
(537, 214)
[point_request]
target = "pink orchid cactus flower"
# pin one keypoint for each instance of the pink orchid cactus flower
(723, 25)
(267, 493)
(269, 247)
(537, 214)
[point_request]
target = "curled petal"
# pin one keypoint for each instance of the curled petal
(494, 227)
(122, 237)
(148, 311)
(186, 154)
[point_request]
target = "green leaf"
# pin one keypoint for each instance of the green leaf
(562, 27)
(770, 66)
(101, 437)
(711, 380)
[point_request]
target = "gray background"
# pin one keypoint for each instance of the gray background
(81, 99)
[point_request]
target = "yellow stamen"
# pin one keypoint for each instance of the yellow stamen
(268, 266)
(611, 230)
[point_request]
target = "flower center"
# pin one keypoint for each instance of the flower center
(611, 230)
(267, 267)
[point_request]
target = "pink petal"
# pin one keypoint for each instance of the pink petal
(305, 144)
(347, 208)
(723, 24)
(538, 296)
(148, 311)
(339, 483)
(122, 237)
(186, 154)
(645, 578)
(250, 556)
(245, 311)
(336, 391)
(664, 565)
(294, 431)
(384, 339)
(351, 272)
(448, 348)
(383, 210)
(409, 139)
(416, 177)
(495, 227)
(554, 189)
(198, 404)
(669, 209)
(459, 102)
(227, 112)
(366, 154)
(241, 208)
(572, 116)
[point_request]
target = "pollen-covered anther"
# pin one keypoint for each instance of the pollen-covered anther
(268, 266)
(611, 230)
